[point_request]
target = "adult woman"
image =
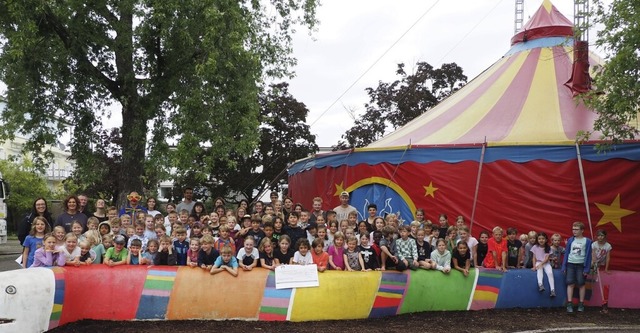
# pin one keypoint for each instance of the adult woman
(101, 211)
(40, 208)
(151, 206)
(71, 214)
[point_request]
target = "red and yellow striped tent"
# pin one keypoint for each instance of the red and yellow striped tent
(500, 151)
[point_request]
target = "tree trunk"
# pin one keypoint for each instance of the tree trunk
(134, 139)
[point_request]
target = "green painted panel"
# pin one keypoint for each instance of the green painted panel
(271, 309)
(158, 284)
(436, 291)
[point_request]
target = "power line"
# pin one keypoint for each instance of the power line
(374, 63)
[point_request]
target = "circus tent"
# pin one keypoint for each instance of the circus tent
(500, 151)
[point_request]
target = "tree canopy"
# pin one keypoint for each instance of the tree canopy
(616, 97)
(393, 104)
(180, 72)
(284, 137)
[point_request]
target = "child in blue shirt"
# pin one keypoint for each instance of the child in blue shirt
(225, 262)
(181, 246)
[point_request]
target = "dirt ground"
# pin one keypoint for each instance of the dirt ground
(494, 321)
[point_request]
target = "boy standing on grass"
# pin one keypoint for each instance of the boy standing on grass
(576, 264)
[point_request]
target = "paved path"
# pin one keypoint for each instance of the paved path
(8, 253)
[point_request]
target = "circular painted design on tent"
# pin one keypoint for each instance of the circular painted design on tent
(388, 196)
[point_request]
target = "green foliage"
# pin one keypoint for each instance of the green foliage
(188, 71)
(617, 85)
(396, 103)
(25, 185)
(105, 160)
(284, 137)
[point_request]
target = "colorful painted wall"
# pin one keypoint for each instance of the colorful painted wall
(39, 299)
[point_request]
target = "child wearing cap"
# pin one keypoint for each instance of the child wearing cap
(342, 211)
(116, 255)
(239, 236)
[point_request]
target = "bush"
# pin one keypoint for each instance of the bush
(25, 185)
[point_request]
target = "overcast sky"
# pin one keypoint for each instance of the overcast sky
(354, 34)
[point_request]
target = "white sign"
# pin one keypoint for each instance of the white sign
(296, 276)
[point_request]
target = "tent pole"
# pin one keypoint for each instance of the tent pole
(393, 175)
(586, 206)
(584, 188)
(475, 195)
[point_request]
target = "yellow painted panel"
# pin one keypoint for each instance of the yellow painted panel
(340, 296)
(389, 295)
(480, 295)
(161, 278)
(57, 308)
(458, 127)
(540, 116)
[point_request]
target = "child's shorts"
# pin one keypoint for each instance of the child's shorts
(575, 274)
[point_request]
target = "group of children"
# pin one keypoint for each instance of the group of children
(535, 251)
(217, 243)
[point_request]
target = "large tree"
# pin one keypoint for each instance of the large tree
(616, 97)
(393, 104)
(284, 138)
(105, 161)
(189, 70)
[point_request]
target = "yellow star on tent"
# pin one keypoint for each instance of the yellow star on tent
(430, 190)
(339, 189)
(613, 213)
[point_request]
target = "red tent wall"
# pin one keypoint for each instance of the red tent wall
(536, 195)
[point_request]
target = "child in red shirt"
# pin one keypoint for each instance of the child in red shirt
(320, 258)
(497, 252)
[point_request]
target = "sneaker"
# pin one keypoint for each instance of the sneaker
(553, 293)
(580, 307)
(540, 288)
(570, 308)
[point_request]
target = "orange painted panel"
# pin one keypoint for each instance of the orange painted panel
(197, 294)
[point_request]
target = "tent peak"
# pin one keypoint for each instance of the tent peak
(546, 22)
